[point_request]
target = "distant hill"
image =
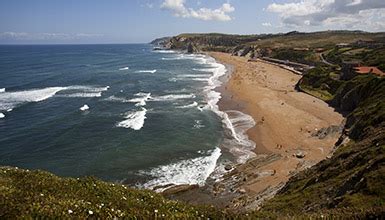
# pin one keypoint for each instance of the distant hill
(159, 41)
(233, 43)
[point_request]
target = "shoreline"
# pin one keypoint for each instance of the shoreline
(285, 133)
(286, 124)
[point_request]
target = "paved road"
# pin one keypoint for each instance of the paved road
(324, 61)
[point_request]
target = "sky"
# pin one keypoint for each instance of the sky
(140, 21)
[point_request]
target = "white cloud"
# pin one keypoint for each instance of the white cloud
(179, 9)
(266, 24)
(360, 14)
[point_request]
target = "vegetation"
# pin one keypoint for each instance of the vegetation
(39, 194)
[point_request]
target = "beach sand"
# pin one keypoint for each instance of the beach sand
(286, 121)
(286, 124)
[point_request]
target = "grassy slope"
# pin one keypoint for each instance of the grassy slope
(39, 194)
(318, 39)
(312, 40)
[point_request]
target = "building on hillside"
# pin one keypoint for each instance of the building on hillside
(369, 70)
(301, 49)
(368, 43)
(319, 50)
(342, 45)
(351, 69)
(364, 43)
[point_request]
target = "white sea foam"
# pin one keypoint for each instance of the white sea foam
(170, 58)
(83, 91)
(241, 146)
(195, 76)
(192, 171)
(134, 119)
(2, 115)
(236, 122)
(2, 90)
(124, 68)
(164, 51)
(84, 108)
(10, 100)
(116, 99)
(172, 97)
(146, 71)
(141, 99)
(204, 69)
(194, 104)
(88, 88)
(82, 95)
(198, 58)
(198, 124)
(200, 79)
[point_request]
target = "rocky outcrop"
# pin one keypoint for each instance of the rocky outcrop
(173, 190)
(191, 48)
(160, 41)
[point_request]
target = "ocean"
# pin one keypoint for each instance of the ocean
(122, 113)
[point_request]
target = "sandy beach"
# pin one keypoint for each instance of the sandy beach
(289, 132)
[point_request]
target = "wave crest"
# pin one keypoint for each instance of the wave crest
(134, 119)
(191, 171)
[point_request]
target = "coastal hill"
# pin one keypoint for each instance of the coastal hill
(343, 68)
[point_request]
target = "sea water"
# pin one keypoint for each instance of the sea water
(123, 113)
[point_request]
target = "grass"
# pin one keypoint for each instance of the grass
(39, 194)
(318, 93)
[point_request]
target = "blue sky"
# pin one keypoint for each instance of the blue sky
(135, 21)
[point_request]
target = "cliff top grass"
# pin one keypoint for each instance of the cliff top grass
(294, 39)
(39, 194)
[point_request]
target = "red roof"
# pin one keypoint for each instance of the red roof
(369, 69)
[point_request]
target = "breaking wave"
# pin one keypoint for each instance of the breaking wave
(191, 171)
(146, 71)
(134, 119)
(194, 104)
(10, 100)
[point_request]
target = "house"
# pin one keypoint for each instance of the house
(301, 49)
(369, 70)
(350, 69)
(368, 43)
(319, 50)
(342, 45)
(363, 43)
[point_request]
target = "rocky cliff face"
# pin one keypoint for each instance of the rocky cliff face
(211, 42)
